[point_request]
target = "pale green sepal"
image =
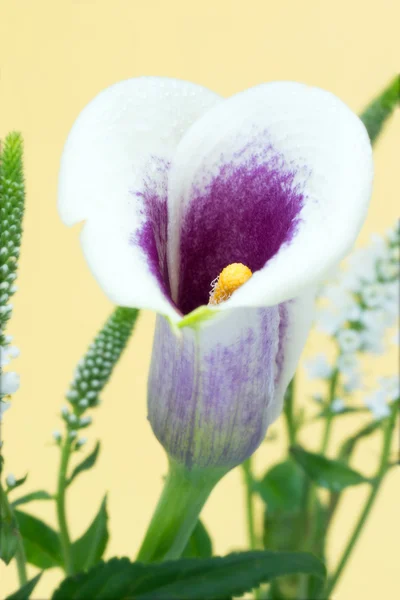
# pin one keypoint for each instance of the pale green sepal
(196, 318)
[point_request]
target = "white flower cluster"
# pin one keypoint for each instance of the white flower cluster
(388, 391)
(357, 309)
(9, 380)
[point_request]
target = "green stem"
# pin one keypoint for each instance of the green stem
(329, 418)
(382, 468)
(251, 529)
(289, 412)
(184, 495)
(20, 558)
(248, 480)
(61, 509)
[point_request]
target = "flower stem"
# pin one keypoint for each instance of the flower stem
(20, 558)
(289, 412)
(184, 495)
(248, 480)
(382, 469)
(61, 509)
(329, 418)
(251, 530)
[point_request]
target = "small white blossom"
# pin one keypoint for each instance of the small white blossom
(352, 382)
(64, 411)
(10, 480)
(9, 383)
(81, 442)
(348, 363)
(57, 436)
(338, 405)
(388, 269)
(85, 421)
(373, 295)
(3, 407)
(349, 341)
(377, 404)
(372, 342)
(329, 322)
(7, 353)
(72, 434)
(391, 387)
(83, 403)
(318, 367)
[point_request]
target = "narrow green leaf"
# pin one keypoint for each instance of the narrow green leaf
(199, 544)
(348, 446)
(348, 410)
(330, 474)
(88, 549)
(39, 495)
(17, 483)
(8, 540)
(377, 113)
(24, 592)
(41, 542)
(86, 464)
(187, 579)
(282, 487)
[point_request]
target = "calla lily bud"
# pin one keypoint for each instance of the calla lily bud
(221, 215)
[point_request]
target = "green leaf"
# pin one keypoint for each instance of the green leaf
(348, 446)
(8, 540)
(377, 113)
(17, 483)
(282, 486)
(88, 550)
(41, 542)
(330, 474)
(25, 591)
(348, 410)
(86, 464)
(39, 495)
(186, 579)
(199, 544)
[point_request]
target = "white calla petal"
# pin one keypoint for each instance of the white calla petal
(122, 140)
(296, 318)
(279, 176)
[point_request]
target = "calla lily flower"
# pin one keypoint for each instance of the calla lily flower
(174, 184)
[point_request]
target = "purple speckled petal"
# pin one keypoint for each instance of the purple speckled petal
(212, 391)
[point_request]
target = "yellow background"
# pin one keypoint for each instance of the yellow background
(55, 55)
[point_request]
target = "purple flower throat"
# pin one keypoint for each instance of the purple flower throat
(243, 214)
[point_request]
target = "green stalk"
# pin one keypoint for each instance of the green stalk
(61, 509)
(382, 468)
(329, 418)
(248, 481)
(20, 558)
(184, 495)
(289, 412)
(251, 529)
